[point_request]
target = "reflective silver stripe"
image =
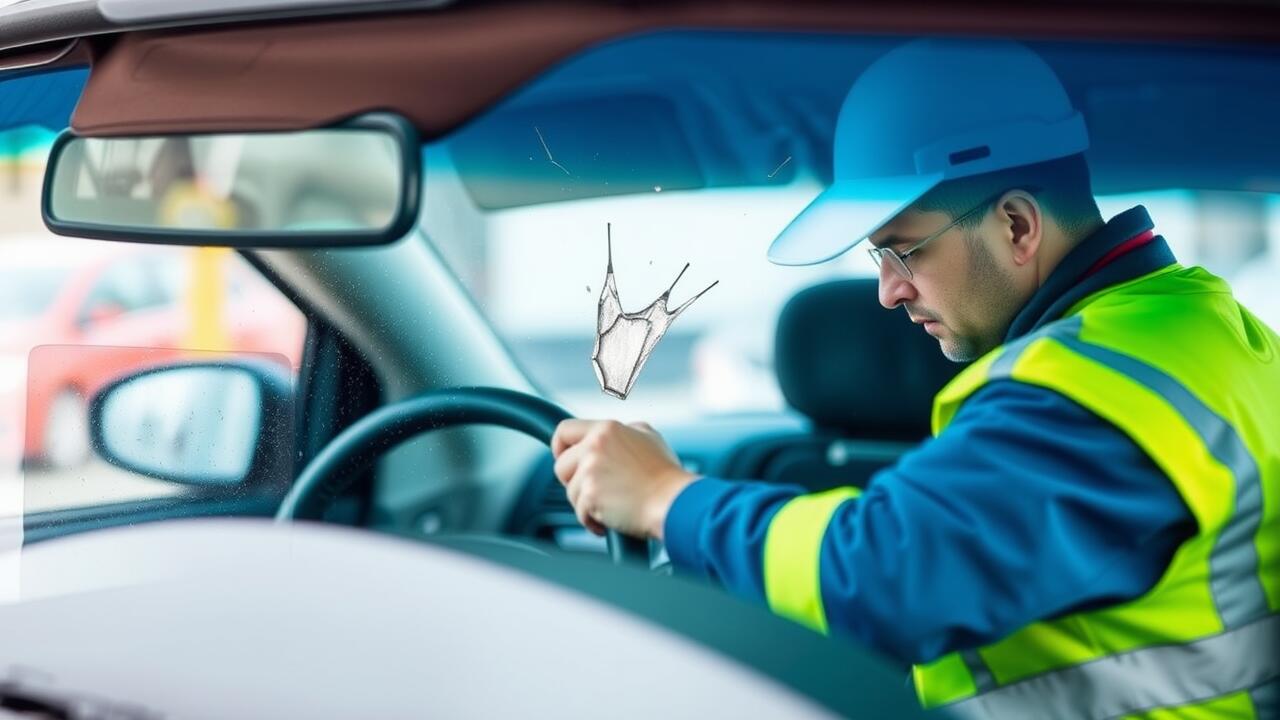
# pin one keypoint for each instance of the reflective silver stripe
(1245, 657)
(1266, 701)
(982, 677)
(1003, 365)
(1138, 680)
(1237, 589)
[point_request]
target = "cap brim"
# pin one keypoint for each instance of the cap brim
(845, 214)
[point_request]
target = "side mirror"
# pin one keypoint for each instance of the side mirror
(218, 423)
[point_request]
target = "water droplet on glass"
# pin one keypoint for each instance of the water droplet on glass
(657, 188)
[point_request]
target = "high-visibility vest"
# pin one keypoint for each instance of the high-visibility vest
(1193, 378)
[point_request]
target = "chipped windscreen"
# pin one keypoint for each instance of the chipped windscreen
(569, 209)
(625, 341)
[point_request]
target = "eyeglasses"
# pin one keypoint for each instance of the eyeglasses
(898, 261)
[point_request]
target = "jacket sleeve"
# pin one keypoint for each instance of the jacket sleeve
(1027, 507)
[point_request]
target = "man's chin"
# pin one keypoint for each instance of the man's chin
(956, 350)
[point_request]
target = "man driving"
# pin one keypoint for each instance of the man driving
(1092, 530)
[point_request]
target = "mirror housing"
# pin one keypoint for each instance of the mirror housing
(207, 423)
(353, 184)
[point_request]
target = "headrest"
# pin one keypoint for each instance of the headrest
(854, 367)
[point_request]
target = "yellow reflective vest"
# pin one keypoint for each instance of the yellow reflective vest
(1193, 378)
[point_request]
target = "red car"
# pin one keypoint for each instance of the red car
(76, 314)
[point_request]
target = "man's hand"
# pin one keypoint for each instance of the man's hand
(618, 476)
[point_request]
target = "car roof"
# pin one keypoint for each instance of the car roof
(32, 22)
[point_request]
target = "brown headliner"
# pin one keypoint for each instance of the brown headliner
(439, 68)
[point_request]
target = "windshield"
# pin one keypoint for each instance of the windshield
(699, 148)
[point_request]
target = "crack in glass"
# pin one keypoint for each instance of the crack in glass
(624, 341)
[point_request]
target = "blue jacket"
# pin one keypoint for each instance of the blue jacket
(1027, 507)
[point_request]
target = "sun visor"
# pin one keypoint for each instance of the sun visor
(438, 68)
(318, 72)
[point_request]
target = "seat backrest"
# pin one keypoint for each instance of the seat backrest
(864, 377)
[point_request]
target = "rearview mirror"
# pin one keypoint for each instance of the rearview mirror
(198, 423)
(350, 185)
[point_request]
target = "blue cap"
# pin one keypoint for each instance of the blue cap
(926, 112)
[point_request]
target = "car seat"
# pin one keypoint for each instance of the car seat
(864, 378)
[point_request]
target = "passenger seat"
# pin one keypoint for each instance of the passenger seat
(865, 378)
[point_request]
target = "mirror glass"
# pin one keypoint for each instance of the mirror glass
(198, 423)
(234, 185)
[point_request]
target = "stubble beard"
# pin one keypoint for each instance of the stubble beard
(993, 296)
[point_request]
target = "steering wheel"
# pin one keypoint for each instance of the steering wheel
(372, 436)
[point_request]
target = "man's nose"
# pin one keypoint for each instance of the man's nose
(894, 289)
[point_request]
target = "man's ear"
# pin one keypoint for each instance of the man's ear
(1022, 219)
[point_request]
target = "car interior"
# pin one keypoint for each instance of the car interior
(697, 132)
(712, 109)
(855, 426)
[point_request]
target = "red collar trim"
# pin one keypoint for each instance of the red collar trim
(1127, 246)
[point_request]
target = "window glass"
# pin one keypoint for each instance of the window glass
(700, 147)
(78, 314)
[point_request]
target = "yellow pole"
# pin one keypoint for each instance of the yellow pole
(189, 204)
(206, 300)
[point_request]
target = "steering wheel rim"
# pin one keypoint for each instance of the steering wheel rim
(331, 471)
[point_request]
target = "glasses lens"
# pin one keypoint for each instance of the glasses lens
(896, 264)
(879, 255)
